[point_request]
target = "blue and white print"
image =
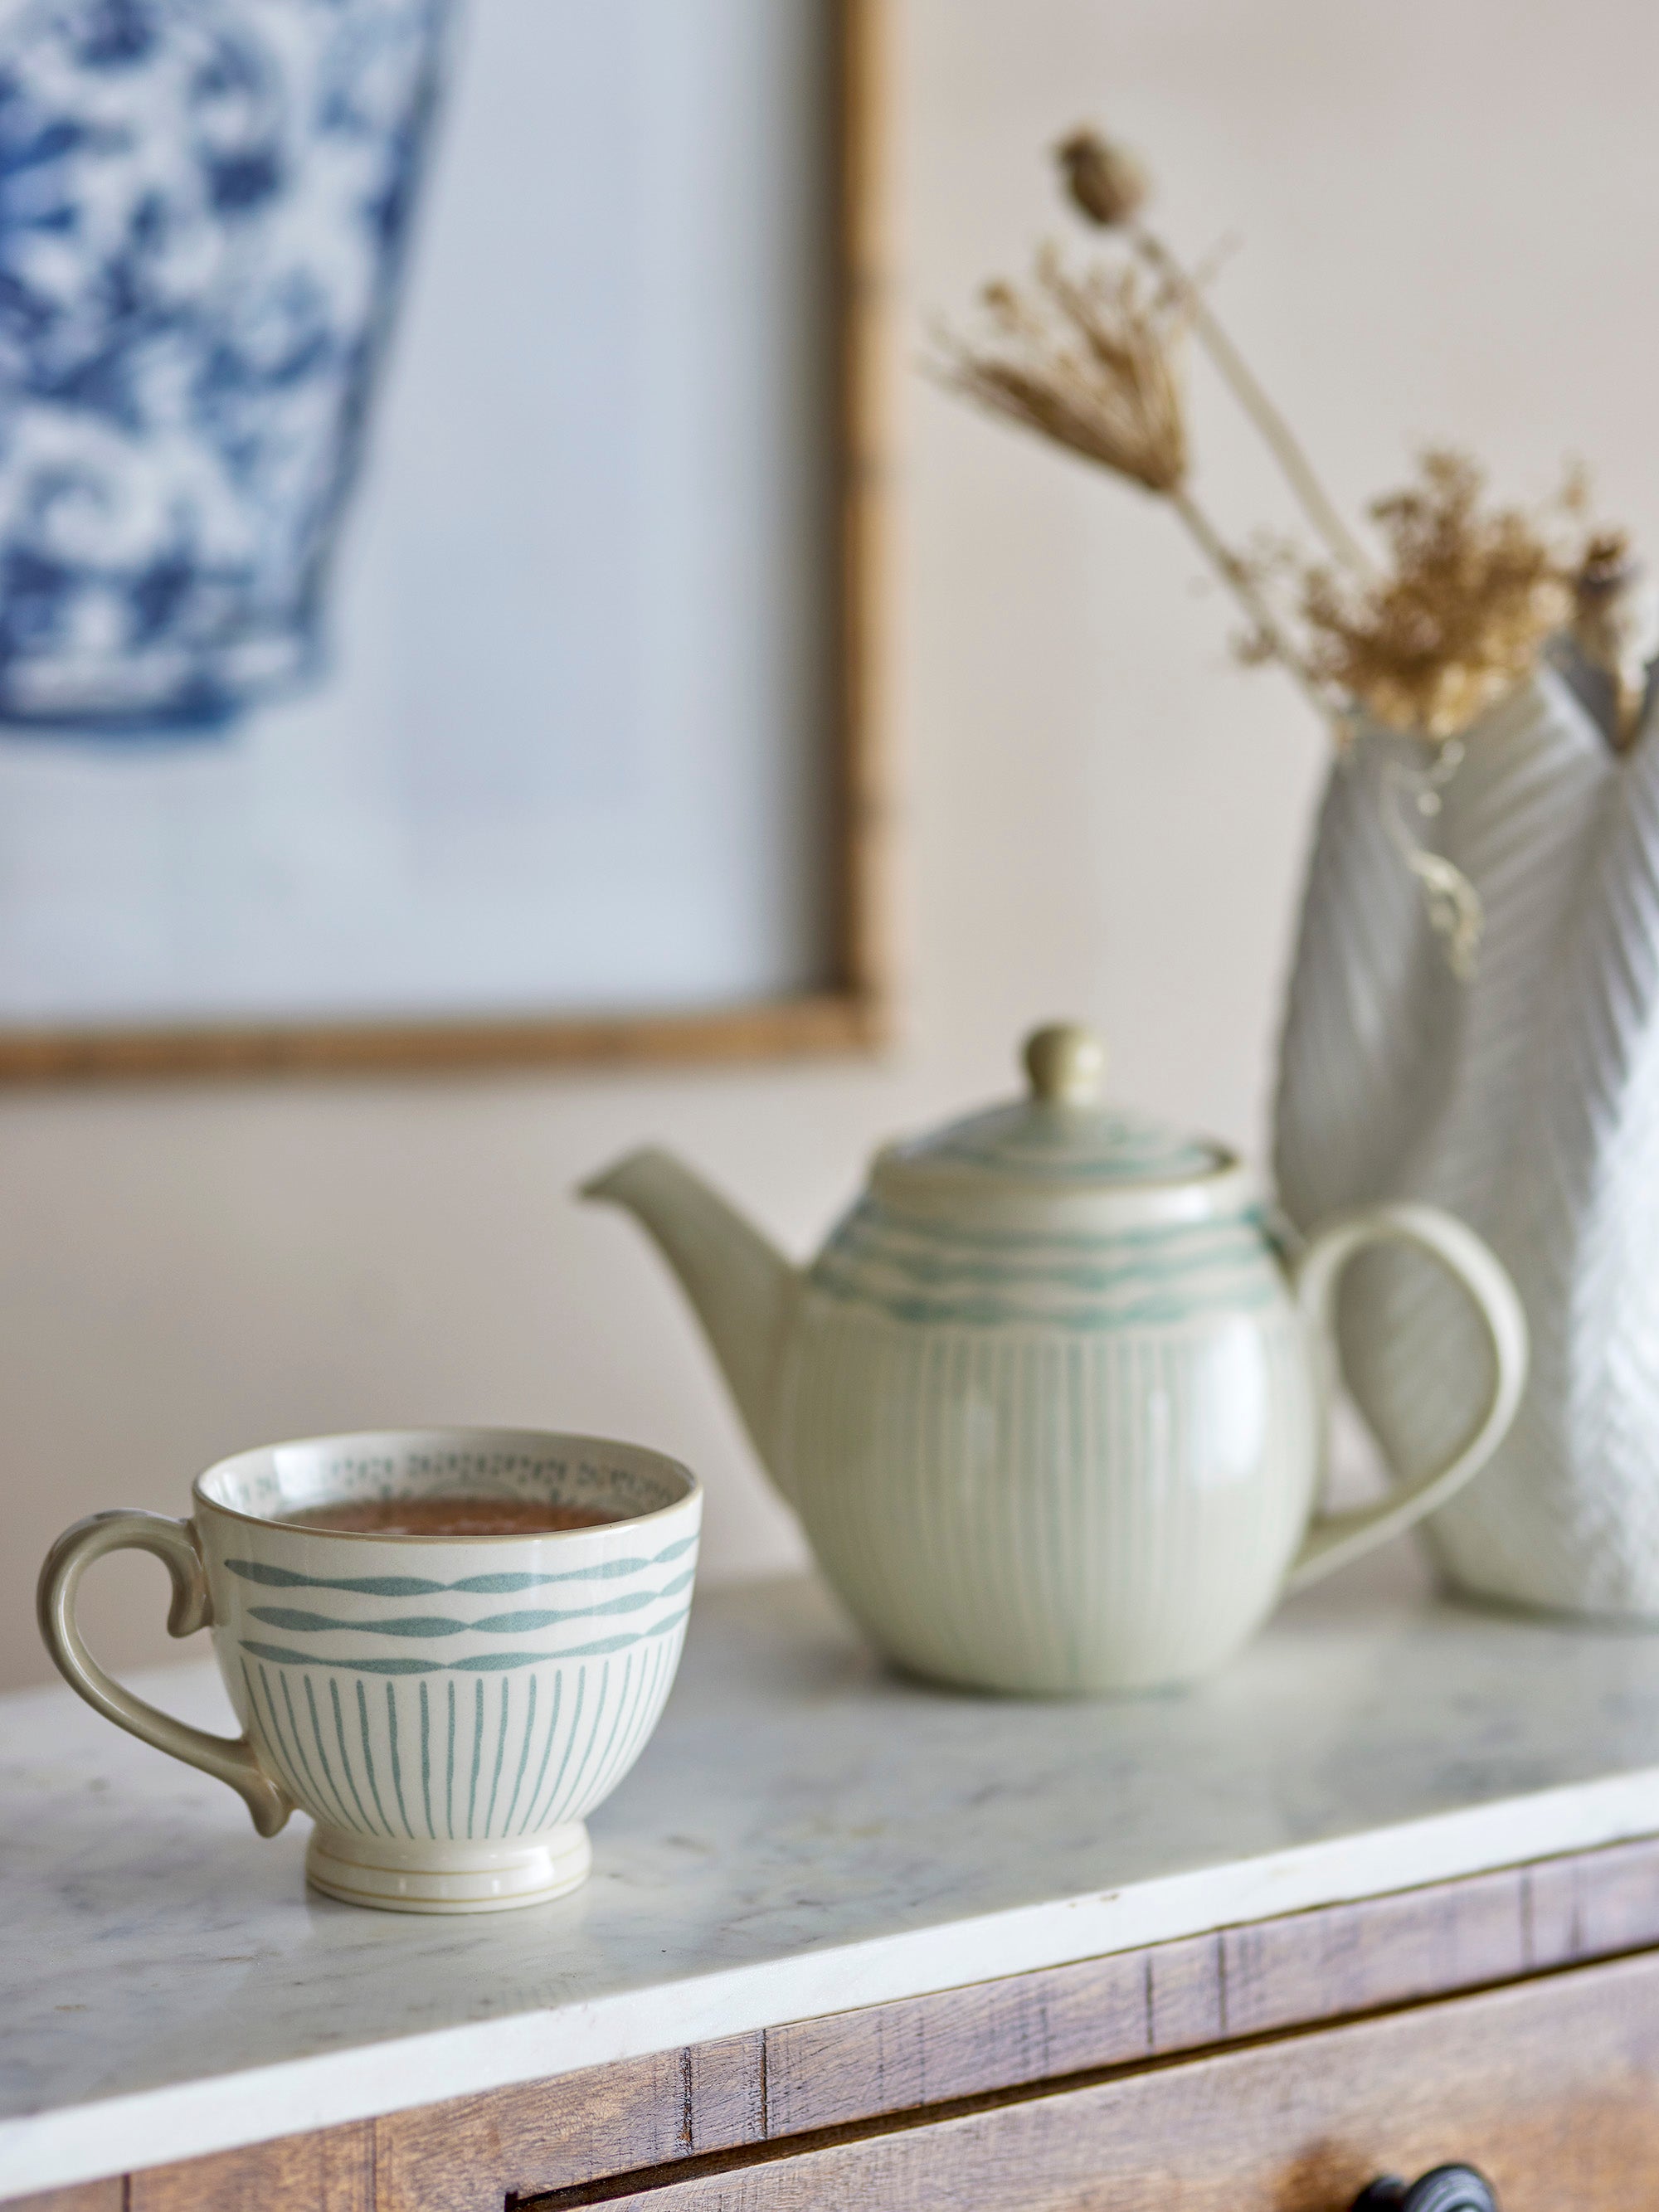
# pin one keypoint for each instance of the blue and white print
(204, 206)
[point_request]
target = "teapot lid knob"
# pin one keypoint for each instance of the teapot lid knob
(1066, 1064)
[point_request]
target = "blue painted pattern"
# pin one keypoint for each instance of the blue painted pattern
(477, 1662)
(298, 1622)
(501, 1759)
(932, 1273)
(502, 1585)
(529, 1621)
(1037, 1143)
(204, 206)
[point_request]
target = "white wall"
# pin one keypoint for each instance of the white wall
(1448, 211)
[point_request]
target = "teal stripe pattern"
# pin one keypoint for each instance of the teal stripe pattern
(477, 1754)
(654, 1609)
(449, 1770)
(425, 1762)
(274, 1577)
(525, 1759)
(476, 1662)
(364, 1827)
(1052, 1508)
(456, 1719)
(493, 1623)
(929, 1274)
(1105, 1145)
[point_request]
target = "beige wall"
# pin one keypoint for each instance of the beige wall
(1450, 218)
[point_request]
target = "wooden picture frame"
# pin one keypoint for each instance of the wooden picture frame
(850, 1011)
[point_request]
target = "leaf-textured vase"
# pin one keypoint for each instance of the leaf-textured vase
(204, 206)
(1525, 1100)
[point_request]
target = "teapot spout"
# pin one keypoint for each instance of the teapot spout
(741, 1288)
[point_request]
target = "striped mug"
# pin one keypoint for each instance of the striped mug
(447, 1708)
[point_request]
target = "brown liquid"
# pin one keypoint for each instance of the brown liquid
(450, 1516)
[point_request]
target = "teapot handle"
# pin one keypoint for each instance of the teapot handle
(1333, 1539)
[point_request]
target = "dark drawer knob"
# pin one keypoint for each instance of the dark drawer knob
(1445, 2189)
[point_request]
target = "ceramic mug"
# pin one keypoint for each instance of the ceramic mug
(447, 1709)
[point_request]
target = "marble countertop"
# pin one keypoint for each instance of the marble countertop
(807, 1833)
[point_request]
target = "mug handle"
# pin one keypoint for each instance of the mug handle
(1333, 1539)
(231, 1758)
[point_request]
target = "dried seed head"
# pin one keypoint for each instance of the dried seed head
(1085, 361)
(1104, 181)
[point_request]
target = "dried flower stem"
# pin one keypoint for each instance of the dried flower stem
(1276, 434)
(1235, 573)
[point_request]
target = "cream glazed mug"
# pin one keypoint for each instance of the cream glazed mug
(448, 1708)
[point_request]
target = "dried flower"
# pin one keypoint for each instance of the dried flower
(1469, 598)
(1105, 181)
(1091, 364)
(1615, 626)
(1085, 361)
(1463, 608)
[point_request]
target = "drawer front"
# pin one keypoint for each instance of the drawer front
(1551, 2087)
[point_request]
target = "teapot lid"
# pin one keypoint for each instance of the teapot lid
(1059, 1145)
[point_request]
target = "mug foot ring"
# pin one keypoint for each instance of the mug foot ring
(399, 1876)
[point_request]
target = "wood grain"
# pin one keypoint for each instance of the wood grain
(853, 1012)
(91, 2196)
(868, 198)
(1550, 2087)
(841, 1020)
(472, 2154)
(332, 2171)
(1306, 1967)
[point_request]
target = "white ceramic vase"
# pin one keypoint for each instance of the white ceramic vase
(1525, 1100)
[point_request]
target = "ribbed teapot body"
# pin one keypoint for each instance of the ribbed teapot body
(1054, 1458)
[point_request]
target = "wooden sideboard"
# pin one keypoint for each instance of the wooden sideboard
(1509, 2021)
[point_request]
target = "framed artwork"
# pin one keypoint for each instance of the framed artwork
(441, 489)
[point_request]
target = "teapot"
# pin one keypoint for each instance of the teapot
(1050, 1404)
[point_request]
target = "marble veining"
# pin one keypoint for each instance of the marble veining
(807, 1832)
